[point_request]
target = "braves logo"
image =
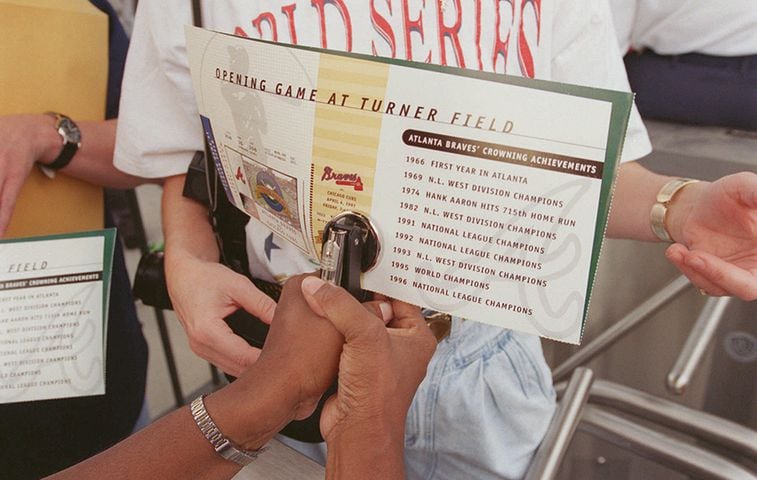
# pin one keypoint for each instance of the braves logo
(343, 179)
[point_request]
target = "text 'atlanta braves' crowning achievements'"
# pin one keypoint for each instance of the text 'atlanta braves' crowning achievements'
(489, 193)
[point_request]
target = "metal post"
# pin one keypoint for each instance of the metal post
(549, 456)
(623, 326)
(704, 426)
(696, 344)
(684, 457)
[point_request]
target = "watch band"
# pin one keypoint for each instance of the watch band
(660, 209)
(222, 445)
(71, 136)
(65, 157)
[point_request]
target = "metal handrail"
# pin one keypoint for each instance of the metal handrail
(712, 429)
(696, 345)
(684, 457)
(622, 327)
(549, 456)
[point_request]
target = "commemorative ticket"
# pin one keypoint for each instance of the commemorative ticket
(490, 193)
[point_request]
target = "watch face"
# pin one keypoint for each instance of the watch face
(69, 130)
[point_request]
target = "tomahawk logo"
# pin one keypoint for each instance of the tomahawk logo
(343, 179)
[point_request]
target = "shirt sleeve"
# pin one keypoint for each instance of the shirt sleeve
(159, 127)
(623, 16)
(586, 53)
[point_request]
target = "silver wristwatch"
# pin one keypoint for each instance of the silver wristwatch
(222, 445)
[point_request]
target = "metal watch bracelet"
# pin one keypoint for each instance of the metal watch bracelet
(222, 445)
(660, 209)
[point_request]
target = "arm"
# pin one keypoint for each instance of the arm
(202, 290)
(635, 192)
(298, 363)
(713, 226)
(93, 161)
(33, 138)
(174, 447)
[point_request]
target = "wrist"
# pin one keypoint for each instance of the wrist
(252, 409)
(177, 255)
(674, 203)
(224, 447)
(370, 449)
(50, 141)
(71, 138)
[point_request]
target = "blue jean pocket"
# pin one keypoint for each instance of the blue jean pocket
(481, 412)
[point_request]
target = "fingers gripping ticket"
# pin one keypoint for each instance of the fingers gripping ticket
(352, 320)
(340, 307)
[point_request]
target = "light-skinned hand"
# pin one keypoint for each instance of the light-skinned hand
(26, 139)
(203, 293)
(714, 226)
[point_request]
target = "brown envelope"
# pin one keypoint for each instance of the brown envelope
(54, 57)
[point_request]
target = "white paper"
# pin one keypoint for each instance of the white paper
(489, 196)
(51, 319)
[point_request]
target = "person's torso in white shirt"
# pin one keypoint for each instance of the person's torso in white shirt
(569, 40)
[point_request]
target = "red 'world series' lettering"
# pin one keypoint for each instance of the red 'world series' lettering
(478, 34)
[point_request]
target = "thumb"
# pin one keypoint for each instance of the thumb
(745, 187)
(329, 416)
(348, 315)
(253, 300)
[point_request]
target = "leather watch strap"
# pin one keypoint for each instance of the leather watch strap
(65, 157)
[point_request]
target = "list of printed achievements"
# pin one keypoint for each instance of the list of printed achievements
(485, 227)
(51, 319)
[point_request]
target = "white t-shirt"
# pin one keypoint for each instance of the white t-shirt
(671, 27)
(571, 41)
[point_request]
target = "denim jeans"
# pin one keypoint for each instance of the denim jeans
(483, 407)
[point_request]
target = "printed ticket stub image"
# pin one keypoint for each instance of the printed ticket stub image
(53, 309)
(490, 193)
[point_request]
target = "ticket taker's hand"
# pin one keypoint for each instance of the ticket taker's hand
(298, 362)
(714, 226)
(380, 369)
(304, 346)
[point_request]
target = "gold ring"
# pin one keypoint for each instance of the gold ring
(702, 292)
(440, 325)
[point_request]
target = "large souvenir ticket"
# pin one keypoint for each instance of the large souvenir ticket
(490, 193)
